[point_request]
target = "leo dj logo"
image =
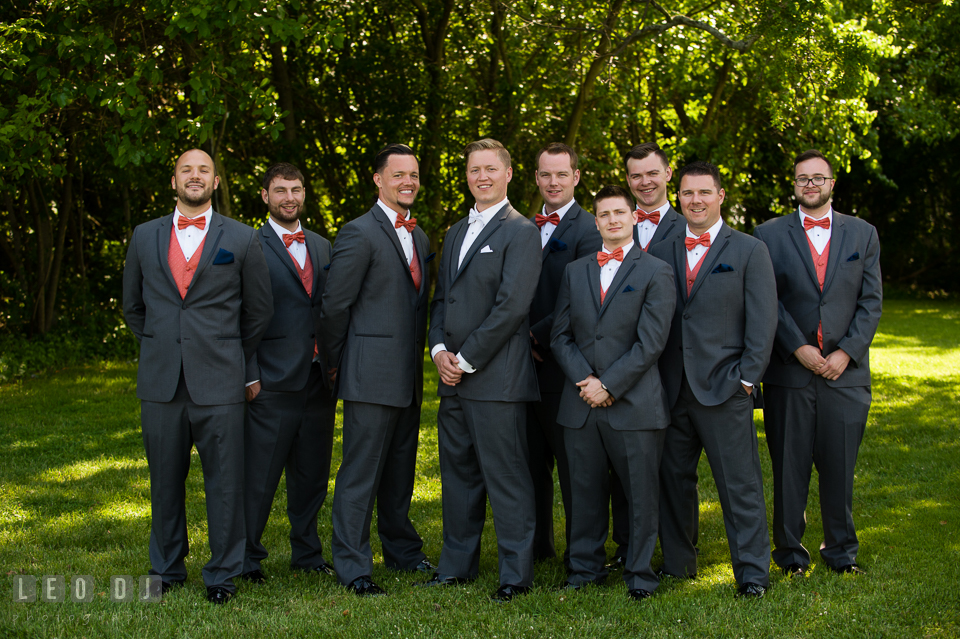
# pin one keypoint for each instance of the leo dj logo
(53, 589)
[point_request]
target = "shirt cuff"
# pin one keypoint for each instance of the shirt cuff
(465, 365)
(746, 383)
(251, 383)
(436, 349)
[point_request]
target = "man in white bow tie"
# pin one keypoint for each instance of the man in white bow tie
(479, 340)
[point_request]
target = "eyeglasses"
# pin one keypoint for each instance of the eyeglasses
(817, 180)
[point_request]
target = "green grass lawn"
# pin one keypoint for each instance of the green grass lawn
(74, 500)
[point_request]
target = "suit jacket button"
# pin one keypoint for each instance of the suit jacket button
(178, 340)
(686, 316)
(449, 334)
(453, 301)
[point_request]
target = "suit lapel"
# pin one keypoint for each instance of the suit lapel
(799, 238)
(565, 224)
(593, 281)
(485, 234)
(716, 248)
(420, 241)
(163, 248)
(210, 245)
(313, 254)
(663, 228)
(680, 266)
(622, 273)
(276, 245)
(391, 232)
(837, 236)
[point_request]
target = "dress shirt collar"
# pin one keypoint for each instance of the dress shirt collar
(488, 213)
(206, 214)
(713, 231)
(828, 216)
(626, 249)
(662, 210)
(280, 231)
(562, 210)
(391, 214)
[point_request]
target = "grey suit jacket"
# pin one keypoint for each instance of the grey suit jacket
(283, 358)
(671, 226)
(214, 331)
(576, 236)
(723, 331)
(482, 309)
(618, 342)
(374, 321)
(849, 306)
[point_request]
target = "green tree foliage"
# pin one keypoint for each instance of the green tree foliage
(98, 97)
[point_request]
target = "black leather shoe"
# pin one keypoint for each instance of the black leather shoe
(439, 580)
(751, 591)
(218, 595)
(616, 563)
(849, 569)
(364, 587)
(639, 594)
(795, 570)
(254, 577)
(167, 586)
(425, 567)
(508, 592)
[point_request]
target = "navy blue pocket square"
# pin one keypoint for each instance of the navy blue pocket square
(327, 267)
(723, 268)
(430, 257)
(854, 257)
(557, 245)
(223, 257)
(628, 289)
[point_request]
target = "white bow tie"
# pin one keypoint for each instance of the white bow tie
(475, 216)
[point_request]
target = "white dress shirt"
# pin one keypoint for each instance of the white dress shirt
(694, 256)
(297, 250)
(818, 236)
(546, 231)
(609, 270)
(191, 237)
(478, 220)
(405, 236)
(646, 229)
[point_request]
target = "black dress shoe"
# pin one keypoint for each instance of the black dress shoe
(254, 577)
(849, 569)
(218, 595)
(639, 594)
(425, 567)
(616, 563)
(751, 591)
(364, 587)
(795, 570)
(439, 580)
(167, 586)
(508, 592)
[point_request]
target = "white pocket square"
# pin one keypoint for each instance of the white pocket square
(486, 249)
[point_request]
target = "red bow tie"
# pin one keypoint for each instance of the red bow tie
(407, 224)
(809, 223)
(603, 258)
(553, 218)
(290, 238)
(643, 215)
(183, 222)
(692, 242)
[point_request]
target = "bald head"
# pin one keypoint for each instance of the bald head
(194, 179)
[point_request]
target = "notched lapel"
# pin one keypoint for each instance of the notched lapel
(622, 273)
(163, 249)
(270, 238)
(391, 232)
(210, 248)
(837, 240)
(710, 259)
(799, 238)
(593, 282)
(481, 240)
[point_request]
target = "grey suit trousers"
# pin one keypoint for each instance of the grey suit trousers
(483, 452)
(635, 454)
(825, 424)
(727, 434)
(291, 431)
(545, 442)
(379, 465)
(170, 429)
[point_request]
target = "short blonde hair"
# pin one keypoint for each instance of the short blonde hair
(488, 144)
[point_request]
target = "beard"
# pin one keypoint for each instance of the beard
(194, 199)
(277, 213)
(815, 200)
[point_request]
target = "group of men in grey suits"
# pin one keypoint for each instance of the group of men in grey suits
(633, 341)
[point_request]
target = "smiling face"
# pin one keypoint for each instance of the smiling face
(648, 179)
(284, 199)
(615, 221)
(556, 179)
(399, 182)
(194, 179)
(814, 200)
(487, 178)
(700, 200)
